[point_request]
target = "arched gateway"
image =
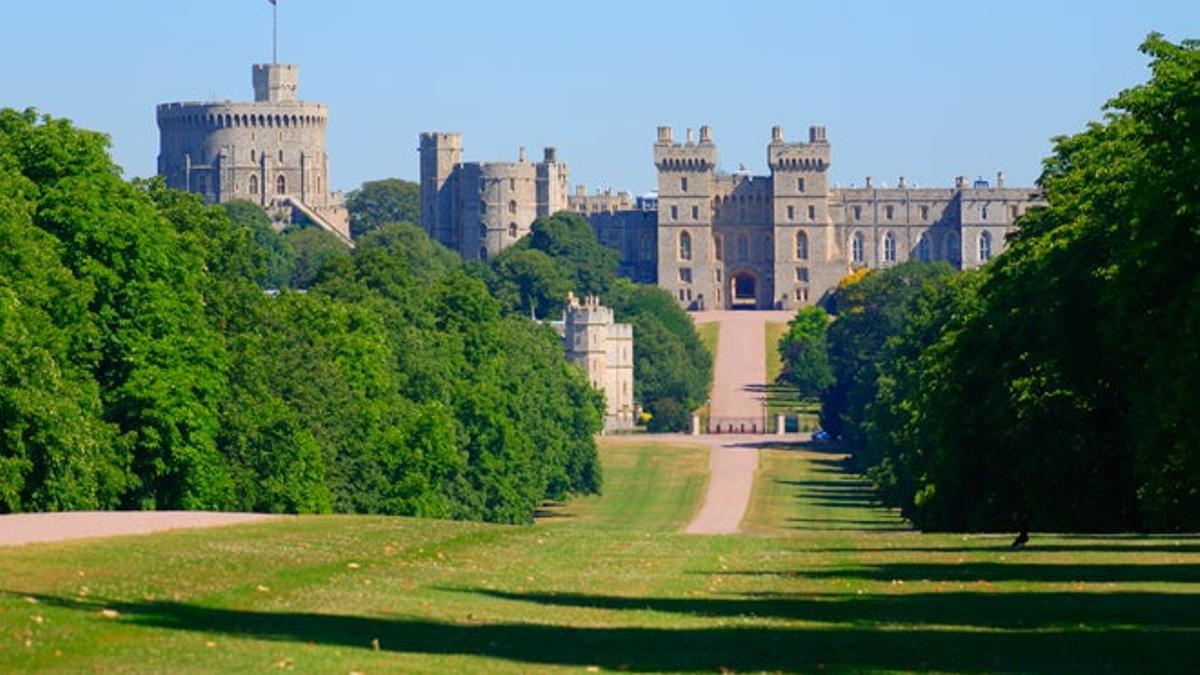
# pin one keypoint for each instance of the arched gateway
(743, 291)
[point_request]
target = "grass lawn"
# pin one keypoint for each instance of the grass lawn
(774, 332)
(709, 335)
(831, 585)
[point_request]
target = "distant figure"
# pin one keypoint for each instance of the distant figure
(1021, 539)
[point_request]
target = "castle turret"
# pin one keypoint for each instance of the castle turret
(441, 154)
(803, 233)
(685, 190)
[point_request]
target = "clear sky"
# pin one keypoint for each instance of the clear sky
(920, 89)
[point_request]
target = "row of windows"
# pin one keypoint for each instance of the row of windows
(483, 230)
(483, 207)
(812, 212)
(483, 182)
(254, 157)
(983, 247)
(889, 212)
(743, 243)
(280, 185)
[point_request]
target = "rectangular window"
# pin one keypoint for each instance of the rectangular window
(1013, 211)
(888, 212)
(674, 213)
(683, 184)
(802, 275)
(800, 184)
(685, 275)
(924, 213)
(812, 212)
(858, 213)
(791, 213)
(802, 294)
(695, 213)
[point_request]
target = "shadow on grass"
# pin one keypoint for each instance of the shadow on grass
(1034, 546)
(979, 610)
(1158, 633)
(1003, 571)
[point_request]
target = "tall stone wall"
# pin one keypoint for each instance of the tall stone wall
(785, 240)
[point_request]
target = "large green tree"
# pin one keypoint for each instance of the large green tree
(380, 202)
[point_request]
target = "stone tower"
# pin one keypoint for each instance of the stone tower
(605, 351)
(803, 234)
(480, 208)
(686, 173)
(270, 151)
(441, 155)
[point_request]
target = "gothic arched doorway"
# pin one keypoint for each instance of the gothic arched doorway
(743, 291)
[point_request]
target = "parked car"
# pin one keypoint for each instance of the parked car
(822, 435)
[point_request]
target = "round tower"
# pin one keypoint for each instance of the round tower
(270, 151)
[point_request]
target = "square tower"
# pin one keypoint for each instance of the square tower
(441, 155)
(685, 192)
(276, 82)
(803, 229)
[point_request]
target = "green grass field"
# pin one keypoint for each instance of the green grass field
(826, 582)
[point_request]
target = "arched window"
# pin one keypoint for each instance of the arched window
(685, 246)
(512, 229)
(280, 185)
(512, 206)
(985, 247)
(719, 247)
(482, 207)
(889, 247)
(482, 231)
(801, 246)
(923, 248)
(856, 247)
(743, 247)
(253, 185)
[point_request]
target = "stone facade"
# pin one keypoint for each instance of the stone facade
(479, 208)
(734, 241)
(270, 151)
(605, 351)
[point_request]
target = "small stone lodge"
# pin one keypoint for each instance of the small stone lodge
(605, 351)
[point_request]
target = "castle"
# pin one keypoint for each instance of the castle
(720, 240)
(270, 151)
(605, 351)
(479, 208)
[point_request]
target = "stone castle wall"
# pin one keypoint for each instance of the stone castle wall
(785, 240)
(480, 208)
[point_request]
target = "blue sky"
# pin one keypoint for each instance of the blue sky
(924, 90)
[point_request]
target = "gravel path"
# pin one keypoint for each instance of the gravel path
(739, 375)
(30, 528)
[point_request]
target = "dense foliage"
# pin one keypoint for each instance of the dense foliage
(382, 202)
(143, 366)
(672, 368)
(1058, 388)
(804, 353)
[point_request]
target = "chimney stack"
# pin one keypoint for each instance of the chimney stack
(705, 134)
(664, 134)
(776, 134)
(521, 154)
(869, 183)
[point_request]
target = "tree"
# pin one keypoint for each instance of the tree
(803, 351)
(530, 282)
(314, 249)
(276, 261)
(380, 202)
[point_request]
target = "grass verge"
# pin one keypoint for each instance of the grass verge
(375, 594)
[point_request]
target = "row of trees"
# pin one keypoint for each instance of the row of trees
(673, 368)
(143, 366)
(1057, 388)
